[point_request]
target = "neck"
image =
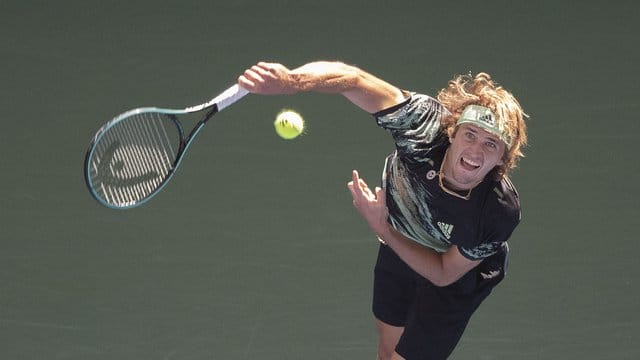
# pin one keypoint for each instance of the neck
(447, 179)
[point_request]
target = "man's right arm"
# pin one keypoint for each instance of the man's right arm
(361, 88)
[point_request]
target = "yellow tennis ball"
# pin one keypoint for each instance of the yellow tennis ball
(289, 124)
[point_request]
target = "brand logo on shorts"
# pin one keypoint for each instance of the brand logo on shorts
(431, 174)
(446, 229)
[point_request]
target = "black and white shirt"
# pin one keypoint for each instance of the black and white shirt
(419, 208)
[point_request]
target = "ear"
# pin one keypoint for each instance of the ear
(451, 134)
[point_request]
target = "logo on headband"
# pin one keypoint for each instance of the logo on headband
(488, 118)
(483, 117)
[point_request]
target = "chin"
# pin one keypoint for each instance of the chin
(466, 177)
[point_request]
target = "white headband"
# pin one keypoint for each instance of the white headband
(484, 118)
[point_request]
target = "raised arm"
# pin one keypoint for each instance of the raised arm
(361, 88)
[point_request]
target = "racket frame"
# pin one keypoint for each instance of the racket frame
(212, 107)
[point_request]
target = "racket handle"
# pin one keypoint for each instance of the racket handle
(226, 98)
(229, 96)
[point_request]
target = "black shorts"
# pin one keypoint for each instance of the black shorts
(433, 317)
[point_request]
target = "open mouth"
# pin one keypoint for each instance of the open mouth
(469, 164)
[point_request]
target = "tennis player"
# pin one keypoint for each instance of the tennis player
(446, 207)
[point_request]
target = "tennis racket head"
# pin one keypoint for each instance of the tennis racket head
(133, 156)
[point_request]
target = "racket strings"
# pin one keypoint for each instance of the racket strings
(133, 158)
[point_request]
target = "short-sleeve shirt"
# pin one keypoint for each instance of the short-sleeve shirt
(419, 208)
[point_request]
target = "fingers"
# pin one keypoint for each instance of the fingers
(355, 178)
(262, 71)
(354, 188)
(271, 68)
(246, 83)
(252, 78)
(371, 205)
(357, 186)
(380, 195)
(361, 192)
(362, 185)
(266, 78)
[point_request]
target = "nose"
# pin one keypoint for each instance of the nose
(476, 147)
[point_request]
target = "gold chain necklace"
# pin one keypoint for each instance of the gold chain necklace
(441, 182)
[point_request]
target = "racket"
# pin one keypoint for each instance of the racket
(133, 156)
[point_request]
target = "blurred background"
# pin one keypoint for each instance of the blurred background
(254, 250)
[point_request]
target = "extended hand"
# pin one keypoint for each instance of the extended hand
(267, 79)
(371, 205)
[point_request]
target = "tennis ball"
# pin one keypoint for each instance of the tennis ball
(289, 124)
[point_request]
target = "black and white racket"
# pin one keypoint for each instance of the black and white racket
(132, 157)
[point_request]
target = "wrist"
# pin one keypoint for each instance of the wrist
(386, 233)
(294, 83)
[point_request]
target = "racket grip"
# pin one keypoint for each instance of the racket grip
(229, 96)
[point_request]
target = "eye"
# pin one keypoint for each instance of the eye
(469, 135)
(491, 145)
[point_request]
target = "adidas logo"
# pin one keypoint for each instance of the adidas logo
(446, 229)
(487, 118)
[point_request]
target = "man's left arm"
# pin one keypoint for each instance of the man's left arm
(441, 269)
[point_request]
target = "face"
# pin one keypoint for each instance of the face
(473, 153)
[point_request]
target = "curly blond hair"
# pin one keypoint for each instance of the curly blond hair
(464, 90)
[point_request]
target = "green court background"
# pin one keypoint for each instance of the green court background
(253, 250)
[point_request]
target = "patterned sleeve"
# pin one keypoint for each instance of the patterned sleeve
(414, 123)
(501, 216)
(493, 243)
